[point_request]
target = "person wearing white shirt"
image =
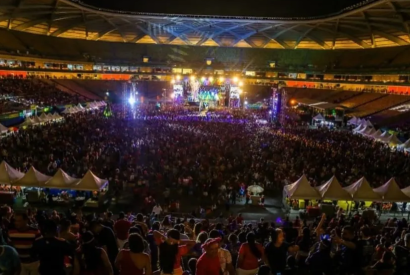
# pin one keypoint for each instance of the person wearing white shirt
(157, 209)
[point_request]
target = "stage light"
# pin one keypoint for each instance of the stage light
(221, 79)
(240, 91)
(107, 93)
(202, 79)
(246, 102)
(270, 112)
(178, 77)
(211, 79)
(173, 81)
(235, 79)
(193, 78)
(172, 95)
(293, 102)
(240, 84)
(131, 100)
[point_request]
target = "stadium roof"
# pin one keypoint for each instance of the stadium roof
(368, 24)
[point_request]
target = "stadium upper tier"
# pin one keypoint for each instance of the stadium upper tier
(368, 24)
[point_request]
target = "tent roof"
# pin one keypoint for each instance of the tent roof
(90, 182)
(332, 190)
(377, 134)
(393, 140)
(32, 178)
(3, 128)
(301, 189)
(406, 191)
(8, 174)
(353, 120)
(361, 191)
(318, 117)
(390, 191)
(358, 128)
(61, 180)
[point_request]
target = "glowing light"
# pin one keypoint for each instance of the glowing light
(202, 79)
(221, 79)
(107, 93)
(172, 95)
(193, 77)
(240, 84)
(173, 81)
(216, 97)
(235, 79)
(240, 91)
(131, 100)
(211, 79)
(178, 77)
(293, 102)
(270, 112)
(246, 102)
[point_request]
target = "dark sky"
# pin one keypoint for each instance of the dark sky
(274, 8)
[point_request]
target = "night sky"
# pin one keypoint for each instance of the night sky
(274, 8)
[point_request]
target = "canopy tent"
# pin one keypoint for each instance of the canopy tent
(406, 191)
(8, 174)
(377, 134)
(390, 191)
(318, 117)
(403, 146)
(32, 178)
(361, 191)
(56, 116)
(358, 128)
(368, 123)
(61, 180)
(68, 110)
(27, 122)
(44, 117)
(332, 190)
(383, 136)
(393, 140)
(3, 129)
(301, 189)
(36, 120)
(90, 182)
(255, 189)
(50, 116)
(80, 106)
(363, 130)
(352, 121)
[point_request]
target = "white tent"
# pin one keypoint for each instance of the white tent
(3, 129)
(318, 117)
(32, 178)
(361, 191)
(393, 140)
(368, 123)
(383, 136)
(406, 191)
(403, 146)
(376, 134)
(26, 122)
(332, 190)
(36, 120)
(363, 130)
(50, 117)
(390, 191)
(358, 128)
(352, 121)
(90, 182)
(301, 189)
(370, 132)
(8, 174)
(43, 117)
(61, 180)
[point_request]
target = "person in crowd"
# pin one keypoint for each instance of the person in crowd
(9, 261)
(121, 228)
(277, 251)
(65, 232)
(208, 263)
(106, 239)
(51, 251)
(319, 261)
(250, 254)
(134, 261)
(349, 251)
(91, 259)
(402, 254)
(22, 239)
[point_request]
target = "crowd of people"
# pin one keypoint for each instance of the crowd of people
(22, 93)
(34, 242)
(211, 157)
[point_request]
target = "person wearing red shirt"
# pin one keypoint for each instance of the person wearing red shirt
(121, 228)
(208, 263)
(249, 255)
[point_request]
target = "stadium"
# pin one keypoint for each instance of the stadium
(238, 127)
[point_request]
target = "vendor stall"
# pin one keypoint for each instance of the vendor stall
(255, 192)
(390, 192)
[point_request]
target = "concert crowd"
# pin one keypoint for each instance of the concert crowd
(201, 155)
